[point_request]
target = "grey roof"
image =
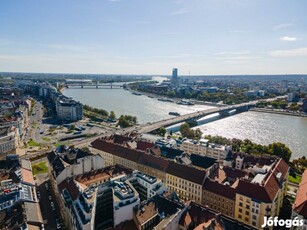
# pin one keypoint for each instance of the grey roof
(33, 212)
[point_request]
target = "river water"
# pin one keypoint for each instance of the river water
(262, 128)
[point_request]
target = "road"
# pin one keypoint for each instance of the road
(49, 214)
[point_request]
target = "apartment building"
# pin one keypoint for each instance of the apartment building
(219, 197)
(186, 181)
(204, 148)
(68, 109)
(69, 162)
(19, 208)
(183, 179)
(115, 203)
(261, 195)
(9, 139)
(147, 186)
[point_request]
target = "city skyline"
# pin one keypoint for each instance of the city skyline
(140, 37)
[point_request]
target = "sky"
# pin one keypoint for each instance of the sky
(199, 37)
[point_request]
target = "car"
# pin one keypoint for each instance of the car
(50, 197)
(46, 185)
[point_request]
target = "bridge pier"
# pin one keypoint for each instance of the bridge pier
(224, 113)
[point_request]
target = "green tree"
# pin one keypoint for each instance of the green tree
(280, 150)
(198, 133)
(184, 129)
(122, 122)
(187, 132)
(126, 121)
(162, 131)
(112, 116)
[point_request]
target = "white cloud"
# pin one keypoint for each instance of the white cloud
(299, 52)
(180, 11)
(232, 52)
(288, 39)
(238, 58)
(282, 26)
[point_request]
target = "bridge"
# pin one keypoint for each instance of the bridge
(93, 85)
(195, 116)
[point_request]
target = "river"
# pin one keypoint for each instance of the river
(262, 128)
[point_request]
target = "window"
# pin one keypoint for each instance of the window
(247, 206)
(254, 223)
(240, 210)
(247, 212)
(254, 217)
(246, 219)
(240, 216)
(241, 204)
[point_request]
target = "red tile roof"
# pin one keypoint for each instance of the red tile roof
(143, 145)
(281, 167)
(264, 193)
(154, 162)
(219, 189)
(300, 203)
(119, 139)
(186, 172)
(115, 149)
(71, 186)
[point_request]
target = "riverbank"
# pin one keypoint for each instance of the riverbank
(175, 99)
(278, 112)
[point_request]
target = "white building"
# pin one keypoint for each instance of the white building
(147, 186)
(69, 110)
(203, 147)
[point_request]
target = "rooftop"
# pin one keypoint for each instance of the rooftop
(202, 161)
(146, 212)
(102, 174)
(186, 172)
(201, 216)
(300, 203)
(219, 189)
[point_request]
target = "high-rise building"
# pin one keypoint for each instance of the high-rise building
(175, 75)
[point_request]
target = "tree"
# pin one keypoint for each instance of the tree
(280, 150)
(112, 116)
(186, 131)
(162, 131)
(122, 122)
(198, 133)
(126, 121)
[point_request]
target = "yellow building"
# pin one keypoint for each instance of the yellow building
(154, 166)
(219, 197)
(254, 200)
(186, 181)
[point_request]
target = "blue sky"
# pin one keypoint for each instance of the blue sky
(153, 36)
